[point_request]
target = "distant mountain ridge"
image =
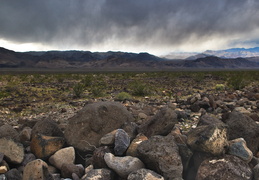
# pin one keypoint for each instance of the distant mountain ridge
(235, 52)
(118, 60)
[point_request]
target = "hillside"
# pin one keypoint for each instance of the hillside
(119, 60)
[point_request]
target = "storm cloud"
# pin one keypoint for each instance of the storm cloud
(133, 25)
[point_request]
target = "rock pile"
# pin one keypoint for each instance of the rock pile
(106, 141)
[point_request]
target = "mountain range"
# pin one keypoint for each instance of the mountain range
(227, 53)
(114, 60)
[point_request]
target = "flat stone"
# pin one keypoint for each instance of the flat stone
(45, 146)
(226, 168)
(122, 142)
(209, 138)
(13, 151)
(36, 169)
(144, 174)
(237, 147)
(108, 139)
(123, 166)
(65, 155)
(161, 154)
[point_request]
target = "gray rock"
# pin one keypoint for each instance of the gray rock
(208, 120)
(36, 169)
(237, 147)
(108, 139)
(99, 174)
(3, 177)
(47, 127)
(123, 166)
(161, 124)
(161, 154)
(85, 129)
(65, 155)
(242, 126)
(13, 151)
(25, 134)
(226, 168)
(256, 172)
(122, 142)
(144, 174)
(28, 157)
(13, 174)
(209, 138)
(8, 131)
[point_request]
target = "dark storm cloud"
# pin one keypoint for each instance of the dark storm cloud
(155, 22)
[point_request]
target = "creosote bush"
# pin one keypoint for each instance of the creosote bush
(123, 96)
(78, 90)
(140, 89)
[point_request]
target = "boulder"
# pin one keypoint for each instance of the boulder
(65, 155)
(161, 124)
(123, 166)
(47, 127)
(122, 142)
(8, 131)
(242, 126)
(209, 138)
(144, 174)
(99, 174)
(13, 151)
(237, 147)
(208, 120)
(225, 168)
(86, 128)
(161, 154)
(44, 146)
(36, 169)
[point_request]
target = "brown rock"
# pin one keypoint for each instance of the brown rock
(132, 150)
(94, 121)
(108, 139)
(98, 157)
(226, 168)
(36, 169)
(44, 146)
(68, 169)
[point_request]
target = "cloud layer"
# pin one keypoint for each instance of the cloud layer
(146, 25)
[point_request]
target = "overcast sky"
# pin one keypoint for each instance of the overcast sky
(154, 26)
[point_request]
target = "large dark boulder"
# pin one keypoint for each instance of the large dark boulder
(161, 124)
(161, 154)
(242, 126)
(86, 128)
(226, 168)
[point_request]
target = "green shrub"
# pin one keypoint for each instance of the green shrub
(123, 96)
(78, 90)
(238, 81)
(220, 87)
(97, 91)
(140, 89)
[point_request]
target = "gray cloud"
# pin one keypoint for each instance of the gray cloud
(166, 23)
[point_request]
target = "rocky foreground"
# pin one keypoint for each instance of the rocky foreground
(204, 137)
